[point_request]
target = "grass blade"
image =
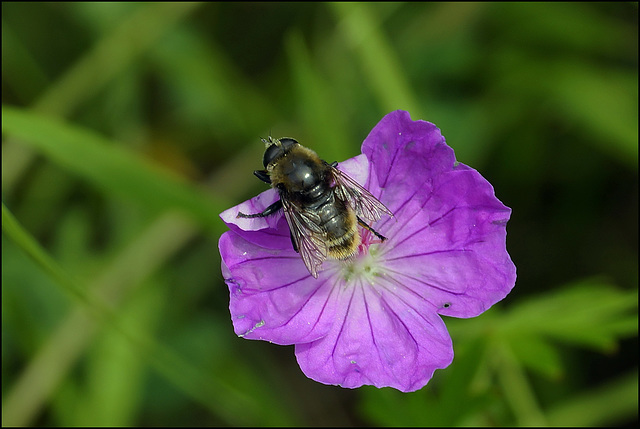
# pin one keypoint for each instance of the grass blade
(110, 167)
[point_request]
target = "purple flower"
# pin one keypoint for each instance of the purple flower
(375, 319)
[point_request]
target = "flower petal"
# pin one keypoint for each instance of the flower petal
(445, 255)
(272, 295)
(404, 156)
(271, 232)
(453, 251)
(357, 168)
(378, 339)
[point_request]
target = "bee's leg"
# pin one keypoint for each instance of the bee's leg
(295, 246)
(334, 164)
(266, 212)
(365, 226)
(262, 175)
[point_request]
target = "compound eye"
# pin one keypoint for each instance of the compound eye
(287, 143)
(277, 149)
(273, 152)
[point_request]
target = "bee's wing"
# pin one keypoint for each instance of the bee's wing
(307, 235)
(358, 198)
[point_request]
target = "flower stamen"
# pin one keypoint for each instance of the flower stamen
(365, 264)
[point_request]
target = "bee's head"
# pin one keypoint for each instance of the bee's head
(277, 148)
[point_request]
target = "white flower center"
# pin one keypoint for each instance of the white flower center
(364, 266)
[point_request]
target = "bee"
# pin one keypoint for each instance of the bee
(322, 205)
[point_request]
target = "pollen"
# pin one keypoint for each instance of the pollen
(365, 265)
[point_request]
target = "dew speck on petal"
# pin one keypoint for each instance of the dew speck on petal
(256, 326)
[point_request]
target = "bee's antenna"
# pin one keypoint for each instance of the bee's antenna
(268, 141)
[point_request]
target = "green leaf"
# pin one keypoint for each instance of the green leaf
(112, 54)
(380, 66)
(586, 313)
(613, 403)
(112, 168)
(604, 102)
(423, 408)
(537, 354)
(517, 390)
(221, 398)
(210, 89)
(324, 119)
(115, 371)
(457, 382)
(388, 407)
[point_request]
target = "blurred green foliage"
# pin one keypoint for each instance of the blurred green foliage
(127, 128)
